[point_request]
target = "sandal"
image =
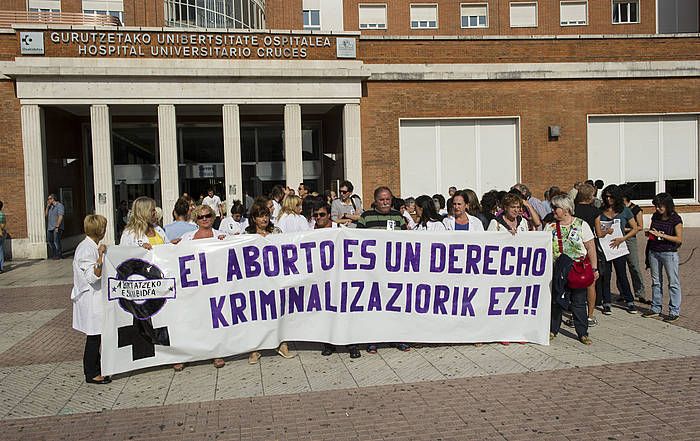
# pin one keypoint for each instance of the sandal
(179, 367)
(372, 349)
(586, 340)
(219, 363)
(283, 351)
(254, 357)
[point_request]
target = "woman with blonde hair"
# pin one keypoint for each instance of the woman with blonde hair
(86, 295)
(290, 219)
(142, 229)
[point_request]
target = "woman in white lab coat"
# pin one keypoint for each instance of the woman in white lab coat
(87, 294)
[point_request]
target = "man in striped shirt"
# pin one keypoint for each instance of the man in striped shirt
(382, 216)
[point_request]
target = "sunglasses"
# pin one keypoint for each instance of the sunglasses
(345, 191)
(205, 216)
(322, 214)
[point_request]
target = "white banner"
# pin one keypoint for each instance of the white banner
(203, 299)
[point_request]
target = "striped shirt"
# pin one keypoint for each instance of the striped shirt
(378, 221)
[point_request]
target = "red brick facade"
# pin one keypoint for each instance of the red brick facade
(12, 162)
(548, 17)
(539, 104)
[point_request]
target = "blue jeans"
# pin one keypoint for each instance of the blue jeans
(668, 260)
(620, 265)
(53, 238)
(2, 251)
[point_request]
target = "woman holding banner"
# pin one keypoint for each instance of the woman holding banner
(86, 295)
(142, 229)
(260, 224)
(204, 217)
(462, 220)
(572, 237)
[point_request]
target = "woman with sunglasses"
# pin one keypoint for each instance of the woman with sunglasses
(259, 223)
(321, 215)
(613, 211)
(204, 217)
(665, 237)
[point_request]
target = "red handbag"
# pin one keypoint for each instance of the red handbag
(581, 273)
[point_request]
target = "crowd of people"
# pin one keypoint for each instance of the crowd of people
(581, 222)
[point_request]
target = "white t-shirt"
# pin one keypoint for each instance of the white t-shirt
(276, 208)
(213, 202)
(190, 234)
(291, 223)
(497, 226)
(431, 226)
(230, 227)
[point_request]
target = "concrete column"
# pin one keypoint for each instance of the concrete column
(34, 183)
(167, 142)
(101, 128)
(232, 154)
(352, 146)
(293, 162)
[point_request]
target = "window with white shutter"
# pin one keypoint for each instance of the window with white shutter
(475, 15)
(372, 16)
(573, 13)
(424, 16)
(523, 15)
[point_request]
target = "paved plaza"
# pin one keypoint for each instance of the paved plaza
(639, 380)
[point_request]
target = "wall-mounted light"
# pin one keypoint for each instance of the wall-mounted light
(554, 132)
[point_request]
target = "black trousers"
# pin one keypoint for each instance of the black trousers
(578, 310)
(91, 357)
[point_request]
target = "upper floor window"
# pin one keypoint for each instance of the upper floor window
(475, 15)
(625, 11)
(372, 16)
(424, 16)
(105, 7)
(523, 15)
(312, 19)
(44, 5)
(572, 13)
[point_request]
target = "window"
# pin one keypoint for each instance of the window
(572, 13)
(625, 11)
(373, 16)
(652, 153)
(424, 16)
(312, 19)
(114, 8)
(44, 5)
(475, 15)
(523, 15)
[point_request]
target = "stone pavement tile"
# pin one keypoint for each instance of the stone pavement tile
(52, 394)
(35, 273)
(282, 376)
(371, 370)
(410, 366)
(238, 379)
(450, 362)
(94, 397)
(145, 388)
(326, 373)
(196, 383)
(491, 360)
(20, 383)
(54, 342)
(16, 326)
